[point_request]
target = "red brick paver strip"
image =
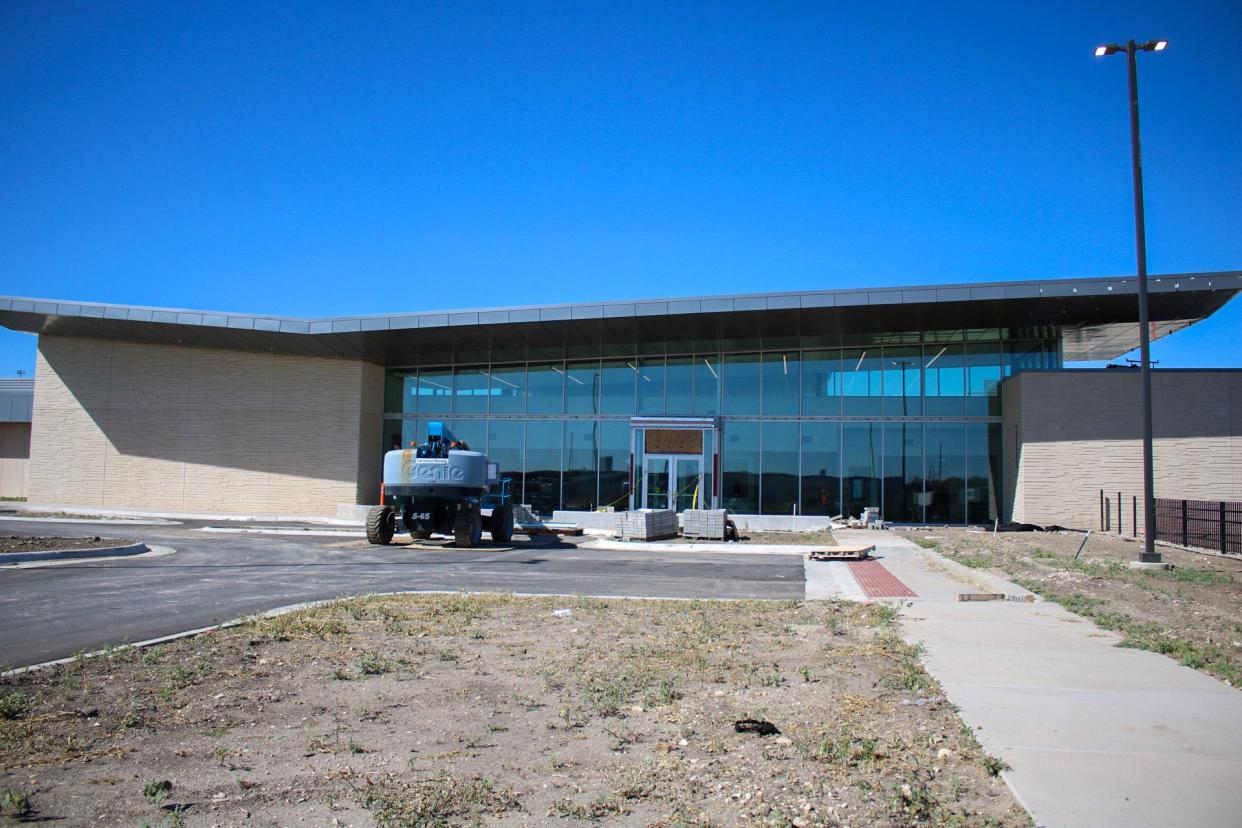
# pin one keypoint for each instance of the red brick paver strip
(878, 582)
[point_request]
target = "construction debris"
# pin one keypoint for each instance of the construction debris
(841, 553)
(995, 596)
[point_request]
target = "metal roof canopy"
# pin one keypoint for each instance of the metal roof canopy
(1098, 318)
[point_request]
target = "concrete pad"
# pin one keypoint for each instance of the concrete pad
(1095, 734)
(831, 581)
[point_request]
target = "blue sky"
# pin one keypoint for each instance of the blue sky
(323, 159)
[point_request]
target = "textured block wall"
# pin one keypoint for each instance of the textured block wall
(1069, 434)
(165, 428)
(14, 451)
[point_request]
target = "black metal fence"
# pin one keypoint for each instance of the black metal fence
(1207, 524)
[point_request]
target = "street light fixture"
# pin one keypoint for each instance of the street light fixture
(1131, 48)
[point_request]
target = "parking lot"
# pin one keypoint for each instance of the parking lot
(56, 611)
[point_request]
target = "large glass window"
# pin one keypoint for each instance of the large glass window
(821, 468)
(780, 383)
(505, 446)
(543, 465)
(1020, 356)
(861, 466)
(944, 376)
(945, 445)
(617, 389)
(651, 386)
(903, 387)
(579, 485)
(403, 434)
(470, 390)
(741, 384)
(739, 465)
(821, 383)
(707, 384)
(399, 393)
(862, 382)
(508, 389)
(983, 375)
(903, 472)
(545, 389)
(472, 432)
(780, 468)
(582, 388)
(983, 458)
(434, 390)
(614, 464)
(679, 386)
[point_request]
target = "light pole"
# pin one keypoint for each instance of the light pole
(1131, 48)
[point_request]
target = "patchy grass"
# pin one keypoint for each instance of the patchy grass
(445, 710)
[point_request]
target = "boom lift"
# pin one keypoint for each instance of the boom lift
(442, 486)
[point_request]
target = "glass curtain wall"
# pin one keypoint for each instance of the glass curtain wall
(913, 429)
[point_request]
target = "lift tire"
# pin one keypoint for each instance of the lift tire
(502, 524)
(381, 523)
(730, 530)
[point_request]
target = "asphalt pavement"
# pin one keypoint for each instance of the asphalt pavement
(56, 611)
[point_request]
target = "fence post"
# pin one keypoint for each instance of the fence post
(1185, 538)
(1221, 545)
(1101, 510)
(1120, 521)
(1134, 516)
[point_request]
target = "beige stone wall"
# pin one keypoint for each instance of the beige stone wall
(1069, 434)
(165, 428)
(14, 451)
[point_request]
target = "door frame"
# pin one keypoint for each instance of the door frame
(709, 457)
(674, 460)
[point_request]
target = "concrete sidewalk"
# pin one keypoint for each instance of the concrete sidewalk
(1096, 734)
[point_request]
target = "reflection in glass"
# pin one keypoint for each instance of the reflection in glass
(903, 472)
(545, 389)
(399, 396)
(983, 487)
(582, 387)
(651, 386)
(679, 386)
(470, 390)
(656, 471)
(403, 434)
(614, 464)
(472, 432)
(780, 468)
(617, 390)
(903, 369)
(739, 464)
(861, 467)
(821, 468)
(543, 465)
(707, 384)
(821, 383)
(741, 384)
(862, 382)
(579, 464)
(505, 447)
(946, 474)
(780, 383)
(983, 375)
(434, 390)
(944, 377)
(508, 389)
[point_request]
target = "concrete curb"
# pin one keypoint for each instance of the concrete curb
(92, 521)
(985, 581)
(74, 554)
(134, 513)
(323, 532)
(713, 548)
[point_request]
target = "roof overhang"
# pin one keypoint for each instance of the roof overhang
(1097, 317)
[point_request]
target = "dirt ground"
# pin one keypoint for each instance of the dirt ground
(431, 710)
(26, 543)
(1192, 613)
(821, 537)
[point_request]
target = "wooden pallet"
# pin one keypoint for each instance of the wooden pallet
(842, 553)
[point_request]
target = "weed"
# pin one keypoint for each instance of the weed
(926, 543)
(156, 791)
(15, 705)
(435, 801)
(598, 808)
(1044, 553)
(805, 672)
(1193, 575)
(372, 663)
(993, 765)
(972, 561)
(845, 750)
(301, 624)
(15, 804)
(881, 615)
(340, 674)
(131, 719)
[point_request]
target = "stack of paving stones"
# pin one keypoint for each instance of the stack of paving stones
(647, 524)
(704, 523)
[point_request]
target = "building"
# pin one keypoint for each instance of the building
(16, 404)
(782, 405)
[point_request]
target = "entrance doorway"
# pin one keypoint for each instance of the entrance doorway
(673, 481)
